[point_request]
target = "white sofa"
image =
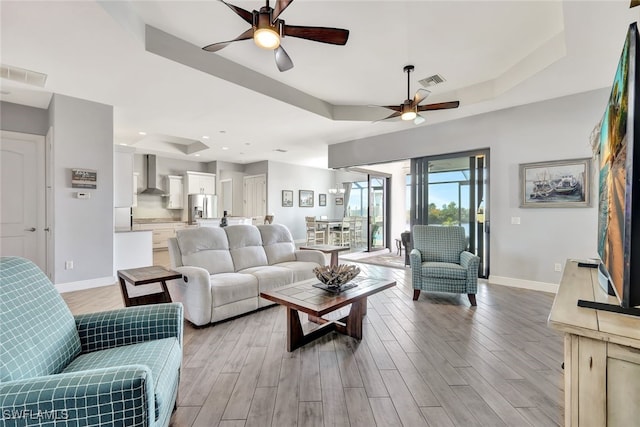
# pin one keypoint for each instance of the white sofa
(225, 269)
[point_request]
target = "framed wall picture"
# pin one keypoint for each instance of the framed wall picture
(84, 178)
(322, 199)
(339, 201)
(555, 184)
(287, 198)
(305, 199)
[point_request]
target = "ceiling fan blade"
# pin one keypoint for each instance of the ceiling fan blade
(439, 106)
(281, 5)
(421, 95)
(217, 46)
(317, 34)
(283, 61)
(244, 14)
(391, 116)
(391, 107)
(419, 120)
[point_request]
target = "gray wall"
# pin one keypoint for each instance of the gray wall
(20, 118)
(551, 130)
(83, 228)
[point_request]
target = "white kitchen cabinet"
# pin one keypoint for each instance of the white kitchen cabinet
(175, 188)
(122, 177)
(200, 183)
(135, 189)
(161, 231)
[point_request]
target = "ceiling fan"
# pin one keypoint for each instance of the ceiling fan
(410, 108)
(267, 30)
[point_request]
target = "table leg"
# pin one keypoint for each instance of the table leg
(167, 295)
(125, 294)
(296, 337)
(334, 258)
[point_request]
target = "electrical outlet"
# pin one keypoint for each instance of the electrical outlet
(557, 266)
(515, 220)
(68, 265)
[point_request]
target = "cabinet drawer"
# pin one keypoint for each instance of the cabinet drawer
(160, 237)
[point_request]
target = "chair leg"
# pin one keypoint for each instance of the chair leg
(416, 294)
(472, 299)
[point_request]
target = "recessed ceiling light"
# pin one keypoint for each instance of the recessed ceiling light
(225, 148)
(122, 143)
(222, 131)
(197, 155)
(205, 137)
(142, 133)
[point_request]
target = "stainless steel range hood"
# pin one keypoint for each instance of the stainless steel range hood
(152, 185)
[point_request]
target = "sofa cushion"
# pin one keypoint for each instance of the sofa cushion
(270, 276)
(38, 334)
(302, 270)
(443, 270)
(278, 243)
(245, 245)
(230, 287)
(205, 247)
(162, 357)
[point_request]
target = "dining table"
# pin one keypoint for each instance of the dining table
(327, 223)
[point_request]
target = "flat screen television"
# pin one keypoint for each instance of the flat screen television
(619, 180)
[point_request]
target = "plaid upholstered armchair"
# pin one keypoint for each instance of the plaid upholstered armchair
(440, 262)
(116, 367)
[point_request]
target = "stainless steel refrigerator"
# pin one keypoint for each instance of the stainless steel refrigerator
(202, 206)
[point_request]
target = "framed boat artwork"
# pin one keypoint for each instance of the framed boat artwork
(556, 184)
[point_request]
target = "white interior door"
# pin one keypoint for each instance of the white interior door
(255, 196)
(226, 196)
(22, 197)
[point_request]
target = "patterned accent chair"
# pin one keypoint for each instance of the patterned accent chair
(440, 262)
(119, 367)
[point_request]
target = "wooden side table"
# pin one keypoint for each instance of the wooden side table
(327, 249)
(145, 276)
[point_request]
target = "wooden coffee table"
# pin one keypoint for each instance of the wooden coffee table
(302, 296)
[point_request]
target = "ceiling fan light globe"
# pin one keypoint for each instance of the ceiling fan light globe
(408, 115)
(419, 120)
(266, 38)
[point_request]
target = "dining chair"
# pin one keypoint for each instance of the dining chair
(340, 235)
(314, 234)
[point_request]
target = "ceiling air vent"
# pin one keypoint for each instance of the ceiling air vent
(431, 80)
(23, 76)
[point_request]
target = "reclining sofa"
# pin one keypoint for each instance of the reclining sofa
(225, 269)
(112, 368)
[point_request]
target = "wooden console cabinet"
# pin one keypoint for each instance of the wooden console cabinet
(601, 354)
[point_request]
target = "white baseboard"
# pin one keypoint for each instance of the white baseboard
(85, 284)
(524, 284)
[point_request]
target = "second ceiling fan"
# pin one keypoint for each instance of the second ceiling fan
(267, 29)
(410, 108)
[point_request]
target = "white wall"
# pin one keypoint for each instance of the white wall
(83, 228)
(550, 130)
(24, 119)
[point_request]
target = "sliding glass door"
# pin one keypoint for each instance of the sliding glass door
(367, 206)
(453, 190)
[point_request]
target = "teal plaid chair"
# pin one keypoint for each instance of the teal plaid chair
(119, 367)
(440, 262)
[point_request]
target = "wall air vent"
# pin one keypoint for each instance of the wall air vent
(21, 75)
(431, 80)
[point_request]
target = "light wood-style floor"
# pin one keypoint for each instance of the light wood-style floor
(431, 362)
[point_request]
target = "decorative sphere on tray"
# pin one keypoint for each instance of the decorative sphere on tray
(337, 275)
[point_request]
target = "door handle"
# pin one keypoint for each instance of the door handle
(32, 229)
